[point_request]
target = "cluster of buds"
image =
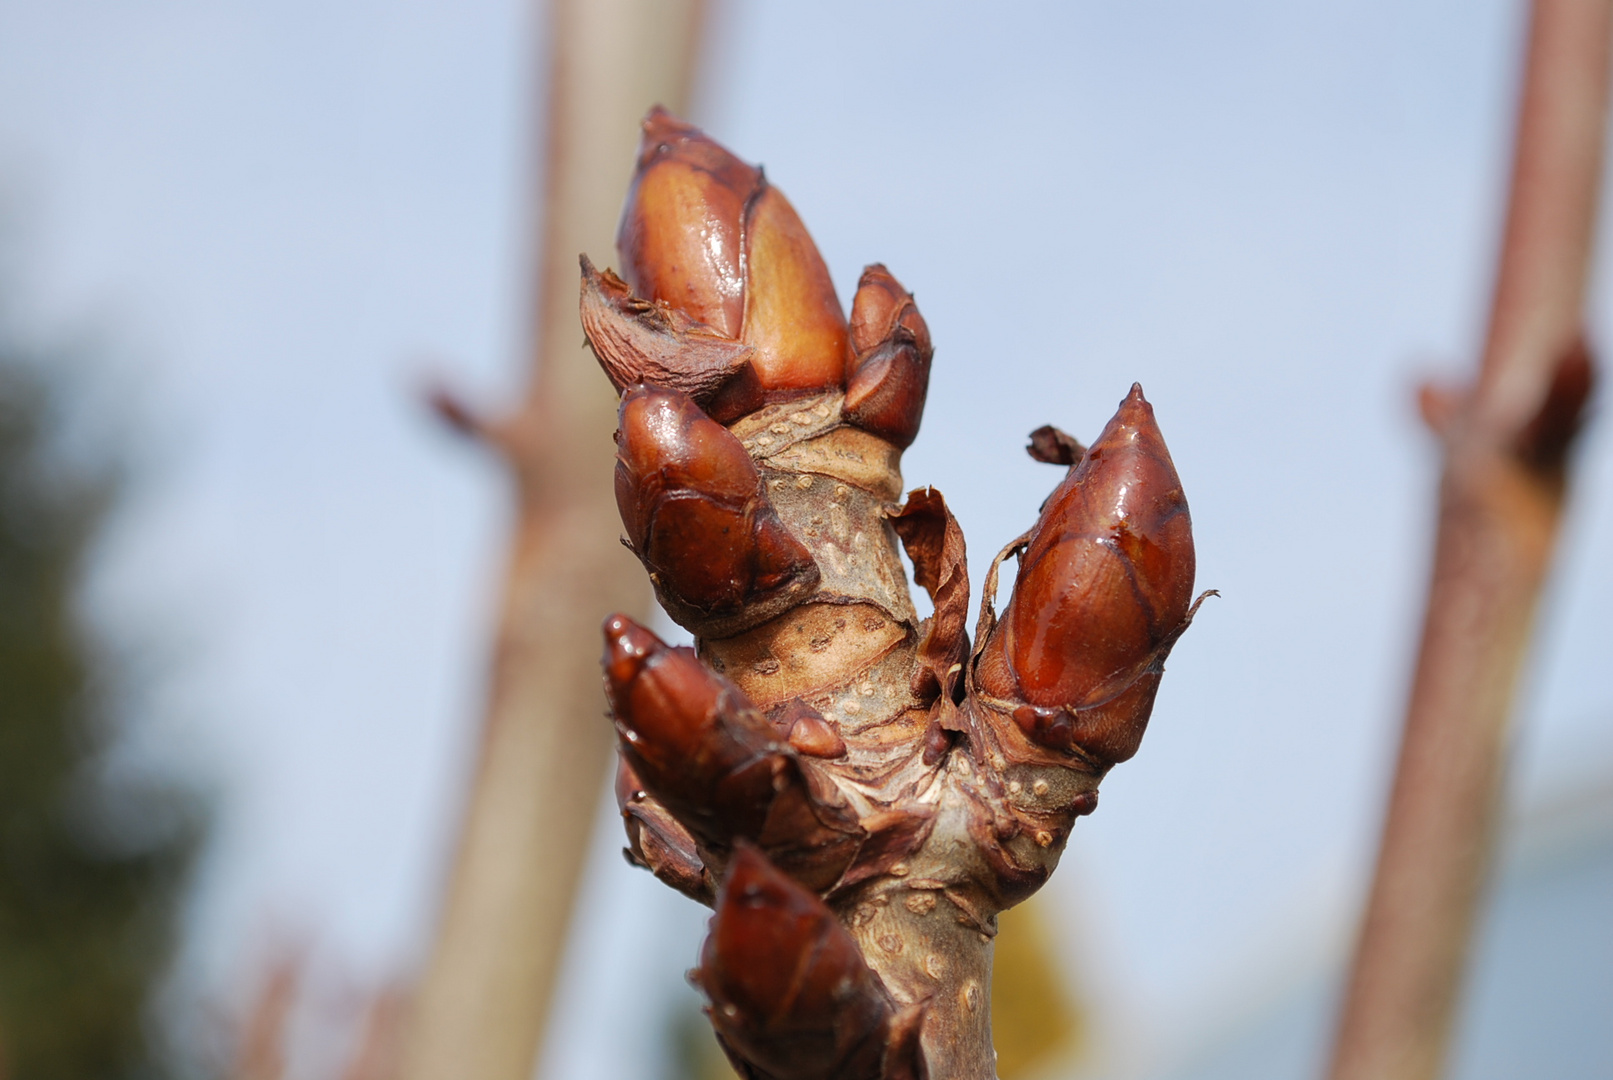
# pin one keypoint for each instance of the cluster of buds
(857, 792)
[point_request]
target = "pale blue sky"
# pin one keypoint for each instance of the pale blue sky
(1277, 216)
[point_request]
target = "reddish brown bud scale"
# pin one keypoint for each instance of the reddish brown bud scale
(692, 501)
(1103, 590)
(627, 786)
(890, 374)
(789, 989)
(705, 233)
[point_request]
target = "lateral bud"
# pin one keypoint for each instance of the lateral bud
(696, 513)
(890, 373)
(790, 992)
(697, 745)
(707, 234)
(1101, 595)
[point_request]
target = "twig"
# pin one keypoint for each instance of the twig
(1506, 442)
(261, 1052)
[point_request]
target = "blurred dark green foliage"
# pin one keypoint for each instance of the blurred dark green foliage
(91, 866)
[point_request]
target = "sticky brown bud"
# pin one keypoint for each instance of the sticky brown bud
(696, 513)
(1102, 593)
(890, 374)
(690, 736)
(697, 745)
(682, 232)
(707, 234)
(789, 989)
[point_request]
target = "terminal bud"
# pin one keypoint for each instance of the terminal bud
(707, 234)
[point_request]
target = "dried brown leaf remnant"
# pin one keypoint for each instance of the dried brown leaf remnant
(857, 792)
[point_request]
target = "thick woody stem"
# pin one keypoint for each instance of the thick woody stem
(1501, 499)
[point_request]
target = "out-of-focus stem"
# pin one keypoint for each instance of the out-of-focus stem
(261, 1053)
(482, 1005)
(1501, 499)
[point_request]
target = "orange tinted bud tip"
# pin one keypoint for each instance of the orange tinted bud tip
(627, 646)
(890, 374)
(1102, 592)
(662, 697)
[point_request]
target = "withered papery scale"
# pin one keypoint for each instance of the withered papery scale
(696, 513)
(857, 790)
(637, 341)
(1103, 588)
(657, 841)
(789, 989)
(706, 234)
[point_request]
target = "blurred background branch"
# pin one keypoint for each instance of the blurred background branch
(1507, 441)
(482, 1005)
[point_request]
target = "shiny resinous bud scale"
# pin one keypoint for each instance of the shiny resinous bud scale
(856, 791)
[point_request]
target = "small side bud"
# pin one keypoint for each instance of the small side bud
(789, 990)
(697, 515)
(706, 234)
(1101, 595)
(808, 732)
(890, 374)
